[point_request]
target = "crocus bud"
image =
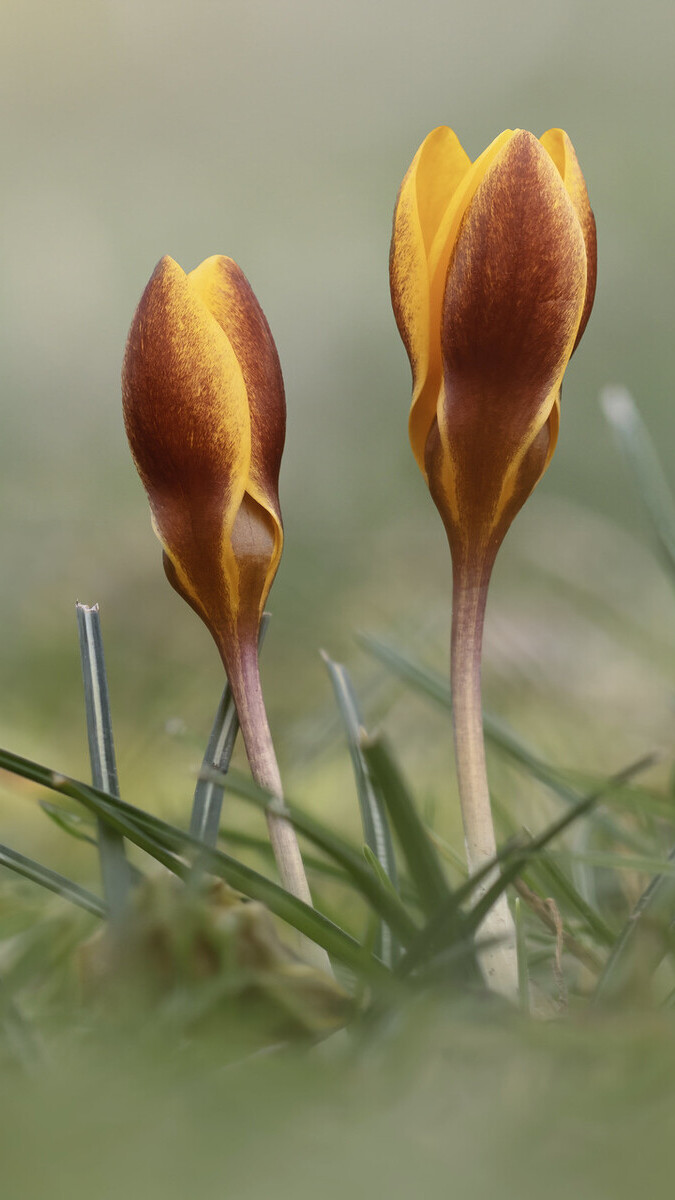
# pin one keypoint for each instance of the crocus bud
(492, 278)
(205, 416)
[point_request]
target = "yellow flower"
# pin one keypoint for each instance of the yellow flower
(492, 268)
(205, 416)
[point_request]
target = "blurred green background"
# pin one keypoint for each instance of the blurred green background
(278, 133)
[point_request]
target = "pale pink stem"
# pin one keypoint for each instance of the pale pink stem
(470, 586)
(244, 680)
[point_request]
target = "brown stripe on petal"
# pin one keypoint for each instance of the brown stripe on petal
(560, 147)
(514, 296)
(186, 416)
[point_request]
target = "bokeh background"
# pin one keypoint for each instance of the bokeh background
(278, 133)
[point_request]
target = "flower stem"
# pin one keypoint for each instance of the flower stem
(247, 691)
(498, 960)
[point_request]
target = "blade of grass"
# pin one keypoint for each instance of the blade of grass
(114, 866)
(51, 880)
(435, 687)
(656, 907)
(448, 852)
(134, 823)
(642, 863)
(208, 798)
(383, 900)
(638, 449)
(424, 866)
(328, 870)
(563, 887)
(377, 868)
(21, 1037)
(444, 925)
(542, 909)
(521, 947)
(235, 837)
(518, 856)
(70, 823)
(545, 873)
(373, 816)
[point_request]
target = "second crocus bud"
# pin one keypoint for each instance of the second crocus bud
(205, 416)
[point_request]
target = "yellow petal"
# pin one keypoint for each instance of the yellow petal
(428, 187)
(423, 409)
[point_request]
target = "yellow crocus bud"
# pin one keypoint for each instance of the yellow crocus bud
(493, 276)
(492, 269)
(205, 416)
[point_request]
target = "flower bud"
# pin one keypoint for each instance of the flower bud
(205, 416)
(492, 271)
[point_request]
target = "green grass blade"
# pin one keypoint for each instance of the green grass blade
(159, 839)
(208, 798)
(567, 895)
(114, 867)
(642, 863)
(515, 857)
(544, 873)
(373, 816)
(385, 902)
(68, 822)
(435, 687)
(248, 841)
(443, 927)
(22, 1039)
(521, 949)
(374, 819)
(636, 950)
(638, 448)
(424, 865)
(51, 880)
(376, 866)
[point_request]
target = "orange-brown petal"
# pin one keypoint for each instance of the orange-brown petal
(560, 147)
(514, 297)
(186, 415)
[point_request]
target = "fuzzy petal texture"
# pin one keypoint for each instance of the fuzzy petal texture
(559, 146)
(205, 416)
(433, 198)
(493, 268)
(514, 299)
